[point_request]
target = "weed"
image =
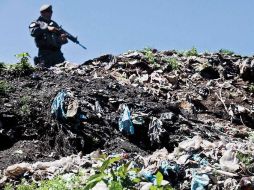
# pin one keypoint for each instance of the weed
(180, 53)
(172, 63)
(192, 52)
(23, 67)
(251, 88)
(56, 183)
(226, 52)
(24, 106)
(251, 137)
(149, 55)
(5, 87)
(158, 185)
(247, 159)
(8, 186)
(116, 178)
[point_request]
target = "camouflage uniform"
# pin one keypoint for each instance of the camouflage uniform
(49, 43)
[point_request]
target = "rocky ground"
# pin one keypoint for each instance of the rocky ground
(201, 104)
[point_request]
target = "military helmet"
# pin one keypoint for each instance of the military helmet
(45, 7)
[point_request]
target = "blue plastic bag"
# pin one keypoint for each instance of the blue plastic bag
(57, 107)
(199, 182)
(125, 123)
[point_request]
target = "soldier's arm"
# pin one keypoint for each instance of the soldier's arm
(63, 37)
(36, 29)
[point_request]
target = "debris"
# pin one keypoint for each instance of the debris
(191, 118)
(125, 123)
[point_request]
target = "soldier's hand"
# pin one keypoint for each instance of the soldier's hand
(52, 29)
(64, 37)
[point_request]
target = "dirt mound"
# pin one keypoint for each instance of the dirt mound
(170, 96)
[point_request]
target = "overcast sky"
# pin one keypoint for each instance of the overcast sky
(116, 26)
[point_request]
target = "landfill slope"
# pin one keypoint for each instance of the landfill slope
(171, 98)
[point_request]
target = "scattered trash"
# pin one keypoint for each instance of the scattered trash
(199, 182)
(155, 130)
(199, 107)
(125, 123)
(57, 107)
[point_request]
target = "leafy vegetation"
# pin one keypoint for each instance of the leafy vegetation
(172, 63)
(247, 159)
(116, 179)
(150, 57)
(24, 106)
(56, 183)
(226, 52)
(192, 52)
(114, 172)
(251, 88)
(158, 185)
(5, 87)
(23, 66)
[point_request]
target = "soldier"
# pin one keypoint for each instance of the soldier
(47, 38)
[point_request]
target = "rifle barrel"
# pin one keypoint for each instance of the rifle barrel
(81, 45)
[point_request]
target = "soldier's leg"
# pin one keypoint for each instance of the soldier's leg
(45, 58)
(59, 58)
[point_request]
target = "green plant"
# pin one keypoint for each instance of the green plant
(114, 176)
(8, 186)
(24, 105)
(192, 52)
(56, 183)
(179, 53)
(247, 159)
(158, 185)
(149, 55)
(173, 63)
(5, 87)
(23, 66)
(24, 185)
(251, 88)
(226, 52)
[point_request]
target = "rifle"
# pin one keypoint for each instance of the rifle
(70, 37)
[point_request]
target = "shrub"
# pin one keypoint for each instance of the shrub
(24, 106)
(149, 55)
(226, 52)
(251, 88)
(23, 67)
(115, 176)
(192, 52)
(5, 87)
(172, 63)
(159, 186)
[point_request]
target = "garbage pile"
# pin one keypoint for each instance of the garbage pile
(187, 115)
